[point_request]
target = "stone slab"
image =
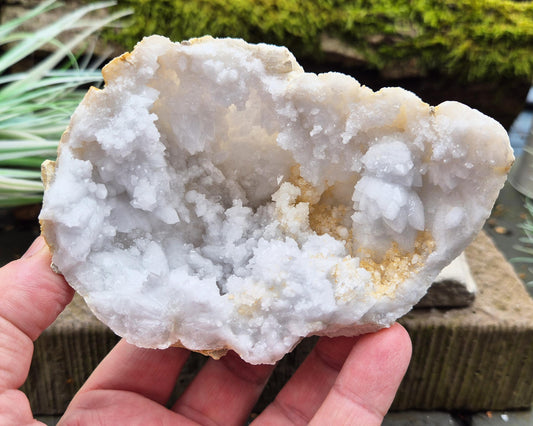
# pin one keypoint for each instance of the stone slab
(475, 358)
(418, 418)
(454, 287)
(503, 418)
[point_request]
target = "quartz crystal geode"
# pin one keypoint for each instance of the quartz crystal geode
(215, 196)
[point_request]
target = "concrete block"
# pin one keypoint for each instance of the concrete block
(475, 358)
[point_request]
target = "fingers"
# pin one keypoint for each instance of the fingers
(151, 373)
(107, 407)
(369, 379)
(301, 397)
(32, 296)
(15, 408)
(344, 380)
(224, 392)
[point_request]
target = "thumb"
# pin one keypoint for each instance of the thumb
(32, 294)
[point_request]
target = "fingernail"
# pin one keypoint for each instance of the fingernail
(37, 245)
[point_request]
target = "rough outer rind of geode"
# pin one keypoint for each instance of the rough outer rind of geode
(215, 196)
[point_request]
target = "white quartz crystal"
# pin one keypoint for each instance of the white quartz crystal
(215, 196)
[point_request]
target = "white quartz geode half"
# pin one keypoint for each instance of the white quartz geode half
(215, 196)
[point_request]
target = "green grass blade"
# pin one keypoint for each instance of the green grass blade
(32, 101)
(26, 153)
(46, 34)
(55, 77)
(8, 27)
(14, 184)
(36, 105)
(7, 201)
(14, 155)
(20, 173)
(30, 162)
(17, 145)
(46, 65)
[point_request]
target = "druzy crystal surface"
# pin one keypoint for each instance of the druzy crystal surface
(215, 196)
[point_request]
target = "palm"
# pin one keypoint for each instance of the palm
(343, 380)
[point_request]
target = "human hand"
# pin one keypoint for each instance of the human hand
(345, 380)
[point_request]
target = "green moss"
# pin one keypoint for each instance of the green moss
(297, 24)
(475, 39)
